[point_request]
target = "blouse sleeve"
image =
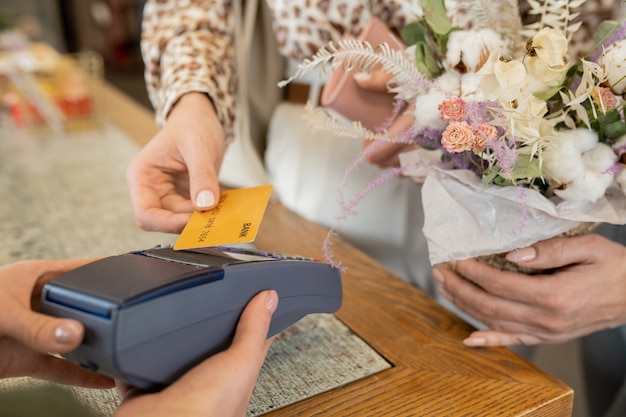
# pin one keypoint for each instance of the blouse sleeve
(188, 45)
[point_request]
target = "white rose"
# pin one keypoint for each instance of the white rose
(613, 60)
(546, 56)
(502, 80)
(527, 119)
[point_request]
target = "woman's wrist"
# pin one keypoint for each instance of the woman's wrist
(195, 100)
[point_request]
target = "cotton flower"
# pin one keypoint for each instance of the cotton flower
(589, 187)
(597, 176)
(470, 87)
(562, 159)
(613, 60)
(426, 111)
(448, 82)
(562, 162)
(620, 178)
(582, 139)
(468, 50)
(546, 56)
(581, 164)
(619, 147)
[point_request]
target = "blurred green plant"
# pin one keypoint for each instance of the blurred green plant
(4, 21)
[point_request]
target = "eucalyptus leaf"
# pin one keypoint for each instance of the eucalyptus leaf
(489, 176)
(436, 16)
(425, 61)
(603, 30)
(502, 182)
(526, 168)
(610, 116)
(615, 130)
(442, 40)
(432, 65)
(414, 32)
(545, 95)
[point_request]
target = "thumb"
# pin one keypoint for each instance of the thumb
(206, 198)
(47, 334)
(204, 187)
(255, 321)
(376, 80)
(556, 252)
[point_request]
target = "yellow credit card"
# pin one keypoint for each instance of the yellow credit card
(235, 219)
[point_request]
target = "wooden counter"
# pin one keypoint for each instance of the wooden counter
(433, 373)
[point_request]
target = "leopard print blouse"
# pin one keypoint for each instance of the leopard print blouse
(188, 45)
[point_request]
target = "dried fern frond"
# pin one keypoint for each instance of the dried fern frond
(481, 13)
(350, 53)
(502, 16)
(556, 14)
(320, 118)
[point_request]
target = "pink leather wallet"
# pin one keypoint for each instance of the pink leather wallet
(342, 94)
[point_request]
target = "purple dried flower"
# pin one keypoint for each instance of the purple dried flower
(429, 138)
(348, 207)
(477, 112)
(505, 152)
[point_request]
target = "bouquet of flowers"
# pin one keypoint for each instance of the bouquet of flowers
(518, 141)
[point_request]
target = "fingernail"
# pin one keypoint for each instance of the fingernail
(67, 333)
(521, 255)
(439, 276)
(205, 199)
(271, 301)
(475, 341)
(362, 76)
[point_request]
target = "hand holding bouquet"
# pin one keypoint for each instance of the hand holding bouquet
(518, 140)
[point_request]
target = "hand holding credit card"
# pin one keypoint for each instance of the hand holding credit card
(235, 219)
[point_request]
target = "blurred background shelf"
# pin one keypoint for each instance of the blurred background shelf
(108, 27)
